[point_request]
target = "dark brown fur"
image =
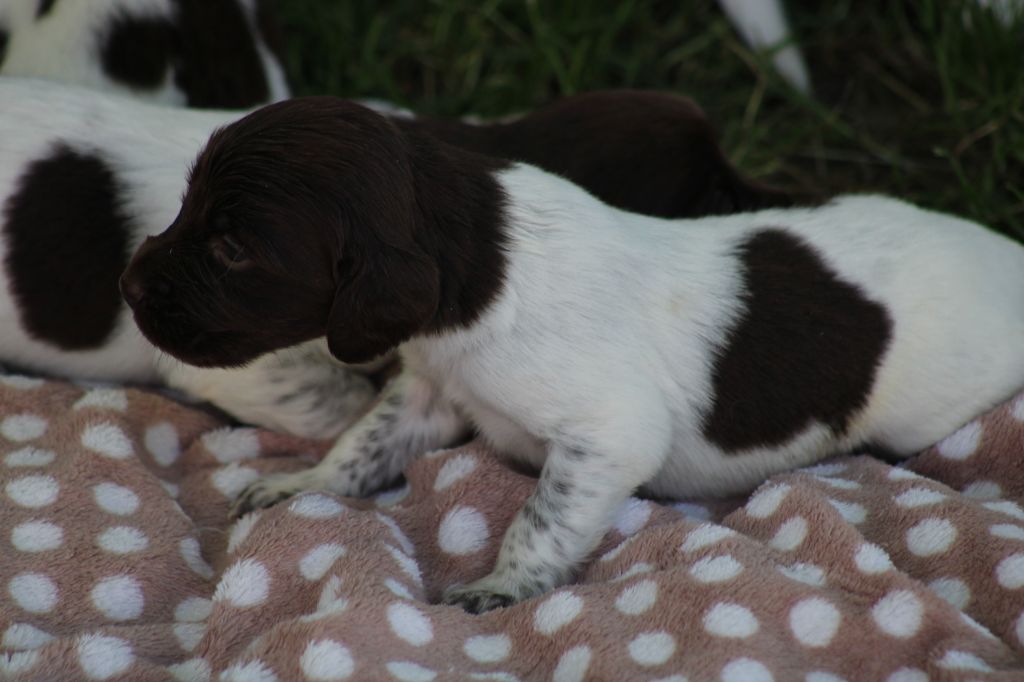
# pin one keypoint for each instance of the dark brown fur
(351, 229)
(806, 349)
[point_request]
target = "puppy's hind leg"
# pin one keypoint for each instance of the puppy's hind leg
(579, 493)
(410, 418)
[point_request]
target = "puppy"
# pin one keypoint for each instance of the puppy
(85, 177)
(613, 351)
(200, 53)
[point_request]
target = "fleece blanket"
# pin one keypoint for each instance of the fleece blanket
(118, 562)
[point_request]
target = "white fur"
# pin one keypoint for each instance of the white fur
(149, 148)
(595, 360)
(64, 44)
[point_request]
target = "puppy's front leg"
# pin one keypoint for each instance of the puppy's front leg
(410, 418)
(579, 493)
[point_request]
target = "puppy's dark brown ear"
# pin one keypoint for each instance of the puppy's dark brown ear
(385, 298)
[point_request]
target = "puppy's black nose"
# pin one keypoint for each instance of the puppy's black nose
(132, 291)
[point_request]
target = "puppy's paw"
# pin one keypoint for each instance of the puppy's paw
(477, 600)
(269, 490)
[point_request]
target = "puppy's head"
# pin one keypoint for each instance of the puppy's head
(298, 221)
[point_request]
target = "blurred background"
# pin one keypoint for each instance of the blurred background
(922, 99)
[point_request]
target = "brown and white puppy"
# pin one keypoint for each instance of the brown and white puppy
(611, 350)
(85, 177)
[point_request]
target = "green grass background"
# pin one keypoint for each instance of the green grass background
(922, 99)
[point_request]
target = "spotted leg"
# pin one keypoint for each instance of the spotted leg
(410, 418)
(574, 505)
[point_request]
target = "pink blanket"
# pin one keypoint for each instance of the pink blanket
(119, 563)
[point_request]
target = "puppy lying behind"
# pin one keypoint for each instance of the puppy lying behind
(615, 351)
(85, 177)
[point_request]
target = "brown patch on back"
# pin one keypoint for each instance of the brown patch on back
(805, 351)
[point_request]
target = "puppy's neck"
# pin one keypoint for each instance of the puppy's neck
(461, 206)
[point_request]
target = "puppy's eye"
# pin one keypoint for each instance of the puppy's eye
(230, 251)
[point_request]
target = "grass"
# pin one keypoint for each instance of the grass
(922, 99)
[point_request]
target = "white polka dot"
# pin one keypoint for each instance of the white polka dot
(122, 540)
(730, 620)
(103, 657)
(407, 671)
(326, 660)
(390, 498)
(17, 663)
(693, 511)
(409, 623)
(826, 469)
(962, 444)
(103, 398)
(189, 634)
(1007, 531)
(406, 563)
(228, 444)
(918, 497)
(716, 569)
(572, 665)
(872, 559)
(1006, 507)
(790, 534)
(898, 614)
(671, 678)
(396, 532)
(556, 611)
(20, 381)
(901, 474)
(463, 531)
(1018, 409)
(652, 648)
(746, 670)
(22, 427)
(840, 483)
(962, 660)
(638, 597)
(118, 597)
(617, 549)
(36, 536)
(319, 560)
(316, 506)
(821, 676)
(232, 479)
(952, 590)
(171, 489)
(161, 441)
(850, 511)
(108, 440)
(488, 648)
(193, 610)
(634, 515)
(33, 592)
(809, 574)
(636, 569)
(814, 622)
(244, 584)
(33, 491)
(982, 490)
(331, 600)
(192, 670)
(30, 457)
(930, 537)
(1020, 626)
(250, 671)
(907, 675)
(193, 557)
(455, 469)
(240, 531)
(766, 501)
(975, 625)
(25, 636)
(1010, 572)
(705, 536)
(115, 499)
(398, 589)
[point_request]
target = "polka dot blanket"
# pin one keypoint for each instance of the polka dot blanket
(119, 563)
